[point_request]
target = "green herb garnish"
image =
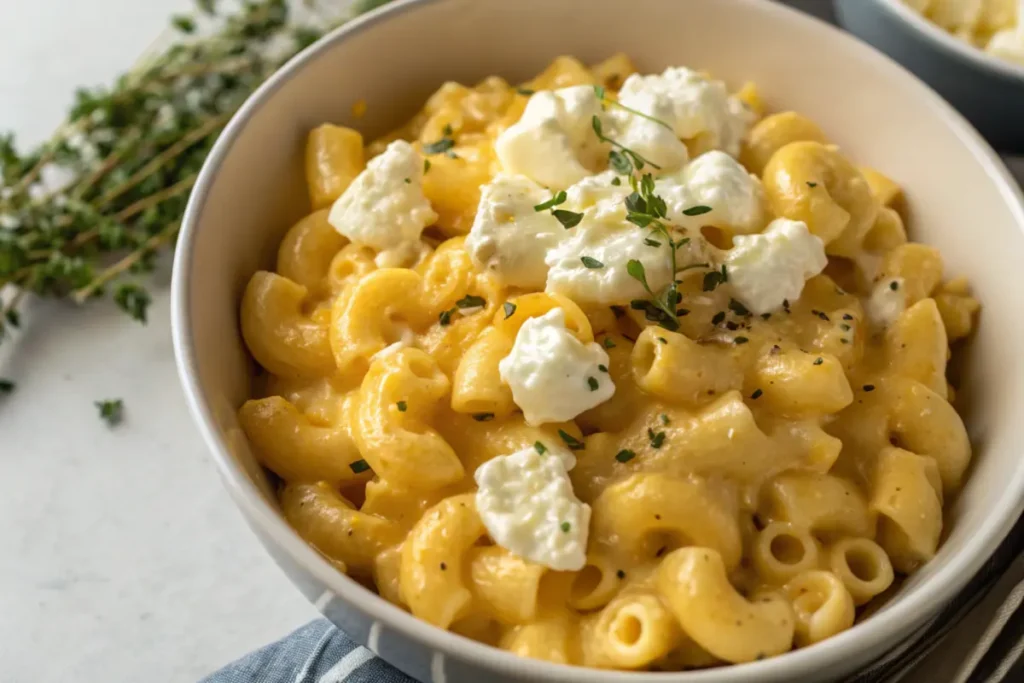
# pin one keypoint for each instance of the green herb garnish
(657, 309)
(471, 301)
(129, 154)
(657, 438)
(625, 455)
(540, 448)
(558, 198)
(714, 278)
(566, 527)
(445, 317)
(627, 156)
(571, 441)
(402, 406)
(568, 219)
(600, 92)
(590, 262)
(698, 210)
(592, 383)
(439, 146)
(111, 411)
(509, 308)
(359, 466)
(738, 308)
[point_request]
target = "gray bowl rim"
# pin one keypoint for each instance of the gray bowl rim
(889, 626)
(950, 45)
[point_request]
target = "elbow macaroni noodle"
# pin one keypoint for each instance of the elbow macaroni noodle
(754, 479)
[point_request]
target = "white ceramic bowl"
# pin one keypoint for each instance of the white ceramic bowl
(988, 90)
(960, 199)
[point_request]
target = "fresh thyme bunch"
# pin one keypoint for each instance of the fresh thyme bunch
(88, 211)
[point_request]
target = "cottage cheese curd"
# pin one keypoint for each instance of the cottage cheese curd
(554, 143)
(509, 238)
(691, 104)
(721, 183)
(767, 269)
(553, 375)
(384, 208)
(527, 504)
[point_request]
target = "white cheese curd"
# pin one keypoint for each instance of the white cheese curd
(691, 104)
(598, 198)
(526, 502)
(384, 208)
(1008, 44)
(612, 245)
(554, 143)
(653, 141)
(553, 375)
(509, 238)
(766, 269)
(716, 180)
(887, 302)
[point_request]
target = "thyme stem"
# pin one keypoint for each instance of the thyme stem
(174, 150)
(80, 296)
(180, 187)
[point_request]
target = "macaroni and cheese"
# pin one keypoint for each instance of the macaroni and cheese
(609, 370)
(996, 26)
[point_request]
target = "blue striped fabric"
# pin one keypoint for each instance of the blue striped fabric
(316, 653)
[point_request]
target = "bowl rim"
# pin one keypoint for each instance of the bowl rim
(892, 625)
(948, 43)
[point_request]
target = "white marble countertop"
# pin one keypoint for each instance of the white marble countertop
(121, 558)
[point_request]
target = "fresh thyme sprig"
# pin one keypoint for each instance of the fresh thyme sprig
(111, 411)
(623, 161)
(568, 219)
(96, 203)
(645, 209)
(657, 309)
(602, 96)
